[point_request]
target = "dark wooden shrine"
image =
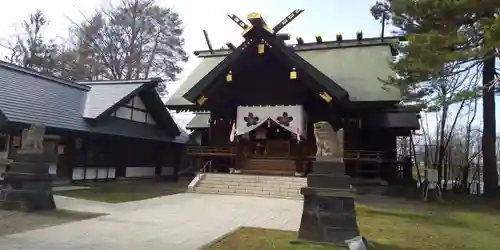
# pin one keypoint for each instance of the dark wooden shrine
(334, 81)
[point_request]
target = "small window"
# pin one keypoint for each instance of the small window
(139, 116)
(125, 113)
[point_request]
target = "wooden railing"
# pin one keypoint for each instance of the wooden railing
(207, 168)
(207, 150)
(364, 155)
(360, 155)
(354, 155)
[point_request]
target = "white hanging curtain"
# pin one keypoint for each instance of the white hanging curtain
(291, 118)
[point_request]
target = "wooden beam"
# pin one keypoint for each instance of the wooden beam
(231, 46)
(238, 21)
(209, 44)
(287, 20)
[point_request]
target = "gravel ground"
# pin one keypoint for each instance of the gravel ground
(12, 222)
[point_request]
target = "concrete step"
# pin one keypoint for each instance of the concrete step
(254, 177)
(245, 187)
(254, 184)
(273, 194)
(251, 185)
(288, 172)
(261, 180)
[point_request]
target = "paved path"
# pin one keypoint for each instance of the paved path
(178, 222)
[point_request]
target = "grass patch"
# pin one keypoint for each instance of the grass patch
(118, 192)
(247, 238)
(432, 226)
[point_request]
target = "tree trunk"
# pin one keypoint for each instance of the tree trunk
(490, 174)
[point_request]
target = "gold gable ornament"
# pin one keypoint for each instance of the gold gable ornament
(268, 29)
(202, 100)
(229, 76)
(254, 15)
(293, 74)
(325, 96)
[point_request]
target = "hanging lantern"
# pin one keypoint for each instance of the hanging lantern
(260, 48)
(268, 123)
(229, 76)
(293, 74)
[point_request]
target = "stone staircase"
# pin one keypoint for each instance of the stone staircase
(249, 185)
(269, 166)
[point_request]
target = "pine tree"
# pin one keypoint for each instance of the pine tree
(446, 38)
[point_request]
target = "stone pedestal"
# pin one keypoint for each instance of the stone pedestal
(27, 183)
(328, 216)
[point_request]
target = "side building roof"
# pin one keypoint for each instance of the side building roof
(29, 97)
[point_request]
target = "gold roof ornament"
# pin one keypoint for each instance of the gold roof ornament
(319, 39)
(325, 96)
(339, 37)
(202, 100)
(300, 41)
(254, 15)
(359, 35)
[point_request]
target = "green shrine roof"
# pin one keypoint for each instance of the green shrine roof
(346, 69)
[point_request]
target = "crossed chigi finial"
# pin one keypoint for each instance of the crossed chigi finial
(254, 16)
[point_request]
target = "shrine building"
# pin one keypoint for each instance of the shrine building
(96, 131)
(255, 104)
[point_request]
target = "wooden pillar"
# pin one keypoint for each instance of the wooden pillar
(239, 155)
(65, 161)
(299, 160)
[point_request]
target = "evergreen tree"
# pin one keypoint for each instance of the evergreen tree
(446, 38)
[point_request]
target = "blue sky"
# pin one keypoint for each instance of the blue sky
(323, 17)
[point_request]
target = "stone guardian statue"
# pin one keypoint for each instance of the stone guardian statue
(329, 144)
(32, 139)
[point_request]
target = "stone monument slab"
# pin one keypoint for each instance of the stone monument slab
(328, 215)
(27, 183)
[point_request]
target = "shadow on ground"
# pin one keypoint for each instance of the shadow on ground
(12, 222)
(130, 190)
